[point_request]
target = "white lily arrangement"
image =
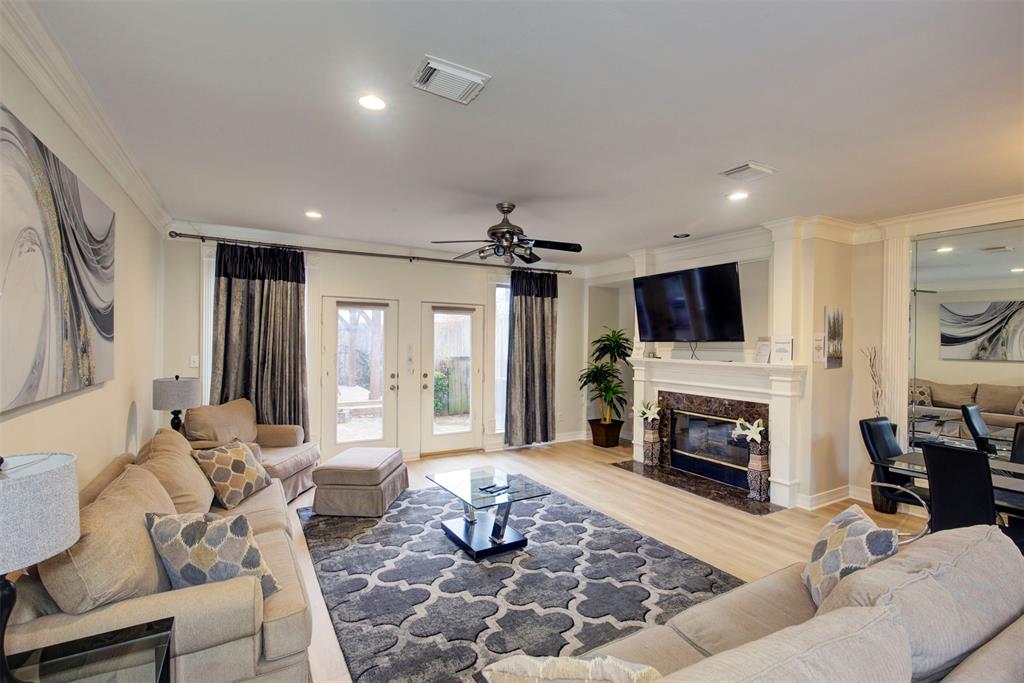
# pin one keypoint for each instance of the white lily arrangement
(648, 410)
(751, 431)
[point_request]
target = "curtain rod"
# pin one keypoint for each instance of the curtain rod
(173, 234)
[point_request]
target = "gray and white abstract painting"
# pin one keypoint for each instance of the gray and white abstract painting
(56, 274)
(983, 330)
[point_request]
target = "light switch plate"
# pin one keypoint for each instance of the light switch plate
(193, 361)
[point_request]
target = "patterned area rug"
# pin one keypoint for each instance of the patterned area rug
(408, 605)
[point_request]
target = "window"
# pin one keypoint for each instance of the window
(501, 304)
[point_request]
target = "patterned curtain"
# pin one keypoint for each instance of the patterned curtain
(530, 398)
(259, 332)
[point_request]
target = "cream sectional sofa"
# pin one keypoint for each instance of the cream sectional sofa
(950, 605)
(225, 631)
(996, 402)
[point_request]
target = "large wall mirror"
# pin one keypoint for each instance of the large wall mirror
(967, 335)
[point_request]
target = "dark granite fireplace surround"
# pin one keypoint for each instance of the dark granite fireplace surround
(713, 433)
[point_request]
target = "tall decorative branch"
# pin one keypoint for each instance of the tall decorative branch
(874, 367)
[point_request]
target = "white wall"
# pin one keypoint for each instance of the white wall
(410, 284)
(98, 423)
(925, 333)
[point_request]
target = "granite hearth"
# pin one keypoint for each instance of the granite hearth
(706, 488)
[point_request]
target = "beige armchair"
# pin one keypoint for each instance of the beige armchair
(280, 448)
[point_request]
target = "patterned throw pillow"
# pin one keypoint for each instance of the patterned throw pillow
(234, 472)
(198, 548)
(920, 395)
(1019, 410)
(850, 541)
(527, 669)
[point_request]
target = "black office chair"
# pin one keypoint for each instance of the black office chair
(879, 436)
(1017, 450)
(978, 428)
(960, 482)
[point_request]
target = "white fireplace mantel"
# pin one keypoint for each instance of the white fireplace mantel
(782, 387)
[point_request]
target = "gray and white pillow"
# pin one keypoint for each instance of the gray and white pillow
(198, 548)
(850, 541)
(920, 395)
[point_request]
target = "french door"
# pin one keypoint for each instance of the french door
(451, 383)
(360, 374)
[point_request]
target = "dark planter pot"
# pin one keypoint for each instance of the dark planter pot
(605, 435)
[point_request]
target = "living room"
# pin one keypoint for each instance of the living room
(626, 341)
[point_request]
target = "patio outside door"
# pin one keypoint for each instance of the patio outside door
(451, 384)
(360, 375)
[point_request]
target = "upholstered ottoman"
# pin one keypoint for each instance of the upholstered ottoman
(359, 482)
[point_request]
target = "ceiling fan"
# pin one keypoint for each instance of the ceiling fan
(510, 242)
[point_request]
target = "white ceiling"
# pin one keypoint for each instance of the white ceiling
(970, 264)
(605, 122)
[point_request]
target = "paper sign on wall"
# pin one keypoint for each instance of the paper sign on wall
(782, 349)
(819, 347)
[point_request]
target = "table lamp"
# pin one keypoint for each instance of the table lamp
(39, 513)
(176, 394)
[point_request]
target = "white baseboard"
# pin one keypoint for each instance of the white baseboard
(822, 499)
(570, 436)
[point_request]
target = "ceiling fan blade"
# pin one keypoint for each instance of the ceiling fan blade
(471, 252)
(560, 246)
(528, 257)
(456, 241)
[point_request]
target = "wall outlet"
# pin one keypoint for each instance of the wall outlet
(193, 361)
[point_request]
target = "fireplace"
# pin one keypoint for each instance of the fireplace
(704, 445)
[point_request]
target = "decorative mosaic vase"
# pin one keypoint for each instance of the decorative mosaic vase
(758, 472)
(652, 442)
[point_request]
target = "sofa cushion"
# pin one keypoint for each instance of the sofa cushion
(275, 436)
(287, 619)
(114, 559)
(233, 471)
(955, 591)
(850, 541)
(111, 471)
(998, 398)
(284, 461)
(527, 669)
(854, 644)
(1000, 660)
(358, 467)
(952, 395)
(658, 647)
(920, 395)
(199, 548)
(752, 611)
(168, 457)
(266, 509)
(225, 422)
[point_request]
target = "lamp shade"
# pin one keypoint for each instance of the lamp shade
(176, 393)
(38, 508)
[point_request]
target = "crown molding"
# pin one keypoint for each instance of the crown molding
(986, 212)
(25, 37)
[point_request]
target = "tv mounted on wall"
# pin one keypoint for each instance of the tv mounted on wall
(696, 305)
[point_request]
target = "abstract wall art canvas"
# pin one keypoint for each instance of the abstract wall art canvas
(56, 274)
(833, 338)
(982, 330)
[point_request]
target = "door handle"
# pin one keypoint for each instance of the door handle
(426, 386)
(393, 387)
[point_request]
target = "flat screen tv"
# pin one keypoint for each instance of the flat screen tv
(696, 305)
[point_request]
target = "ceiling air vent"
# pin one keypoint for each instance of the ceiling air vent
(449, 80)
(748, 172)
(997, 250)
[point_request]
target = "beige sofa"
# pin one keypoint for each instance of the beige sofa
(281, 448)
(225, 631)
(950, 605)
(996, 401)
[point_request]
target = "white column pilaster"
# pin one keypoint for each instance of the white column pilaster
(895, 351)
(643, 264)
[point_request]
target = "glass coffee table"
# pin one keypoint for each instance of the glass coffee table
(479, 532)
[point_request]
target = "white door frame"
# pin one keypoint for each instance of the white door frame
(474, 438)
(329, 445)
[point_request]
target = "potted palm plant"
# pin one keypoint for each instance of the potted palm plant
(602, 379)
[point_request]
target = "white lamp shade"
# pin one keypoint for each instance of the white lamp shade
(176, 393)
(38, 508)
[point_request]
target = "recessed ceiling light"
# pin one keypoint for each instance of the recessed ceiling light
(681, 235)
(372, 102)
(944, 250)
(1017, 270)
(314, 215)
(737, 196)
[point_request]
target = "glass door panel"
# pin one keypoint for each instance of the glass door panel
(452, 340)
(360, 383)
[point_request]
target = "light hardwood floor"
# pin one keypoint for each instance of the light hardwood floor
(742, 544)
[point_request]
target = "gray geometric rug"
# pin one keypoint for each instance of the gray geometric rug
(408, 605)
